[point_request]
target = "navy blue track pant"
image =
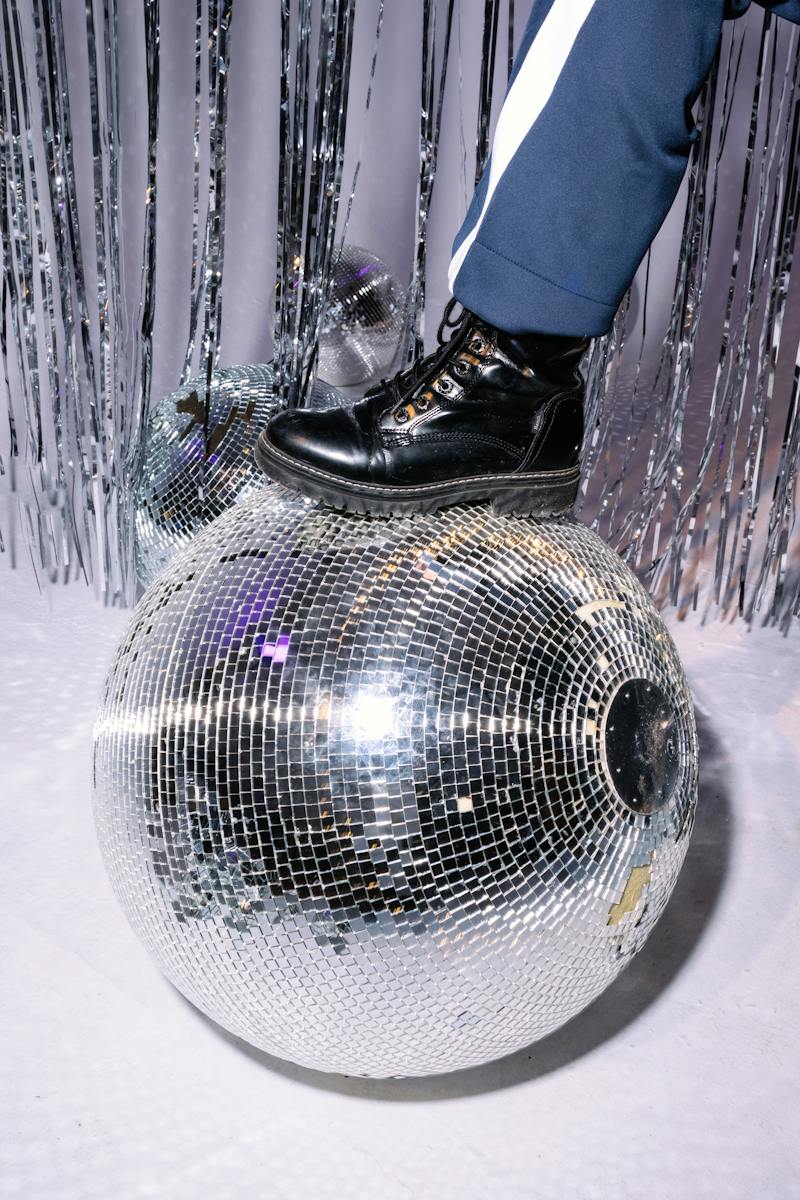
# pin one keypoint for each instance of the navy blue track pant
(589, 151)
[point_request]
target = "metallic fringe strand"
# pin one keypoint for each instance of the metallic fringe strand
(692, 452)
(687, 514)
(309, 181)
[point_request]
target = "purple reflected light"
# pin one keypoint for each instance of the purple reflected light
(278, 650)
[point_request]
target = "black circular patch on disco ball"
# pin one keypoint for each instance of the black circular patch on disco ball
(642, 746)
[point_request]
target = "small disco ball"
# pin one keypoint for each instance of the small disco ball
(394, 797)
(363, 321)
(186, 483)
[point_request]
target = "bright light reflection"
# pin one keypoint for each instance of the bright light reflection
(373, 716)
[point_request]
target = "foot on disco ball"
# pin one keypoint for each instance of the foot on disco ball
(488, 416)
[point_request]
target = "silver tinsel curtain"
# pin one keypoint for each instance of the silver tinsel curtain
(174, 184)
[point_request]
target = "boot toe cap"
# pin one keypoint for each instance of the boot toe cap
(329, 440)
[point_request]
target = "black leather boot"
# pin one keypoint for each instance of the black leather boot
(488, 416)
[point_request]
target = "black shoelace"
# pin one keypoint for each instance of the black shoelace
(410, 377)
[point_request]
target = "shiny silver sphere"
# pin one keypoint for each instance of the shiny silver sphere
(394, 797)
(363, 322)
(194, 469)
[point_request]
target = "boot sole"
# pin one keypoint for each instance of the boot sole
(535, 494)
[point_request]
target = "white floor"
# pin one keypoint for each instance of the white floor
(681, 1081)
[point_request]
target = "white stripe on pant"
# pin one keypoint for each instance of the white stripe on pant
(527, 96)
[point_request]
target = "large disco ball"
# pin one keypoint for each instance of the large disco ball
(364, 320)
(195, 469)
(394, 797)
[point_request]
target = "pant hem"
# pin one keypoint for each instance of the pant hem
(518, 300)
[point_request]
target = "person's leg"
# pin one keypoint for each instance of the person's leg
(589, 151)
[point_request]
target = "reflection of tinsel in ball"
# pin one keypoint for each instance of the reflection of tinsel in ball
(185, 482)
(394, 797)
(363, 320)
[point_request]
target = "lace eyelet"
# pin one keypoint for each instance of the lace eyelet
(444, 386)
(400, 415)
(460, 368)
(422, 404)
